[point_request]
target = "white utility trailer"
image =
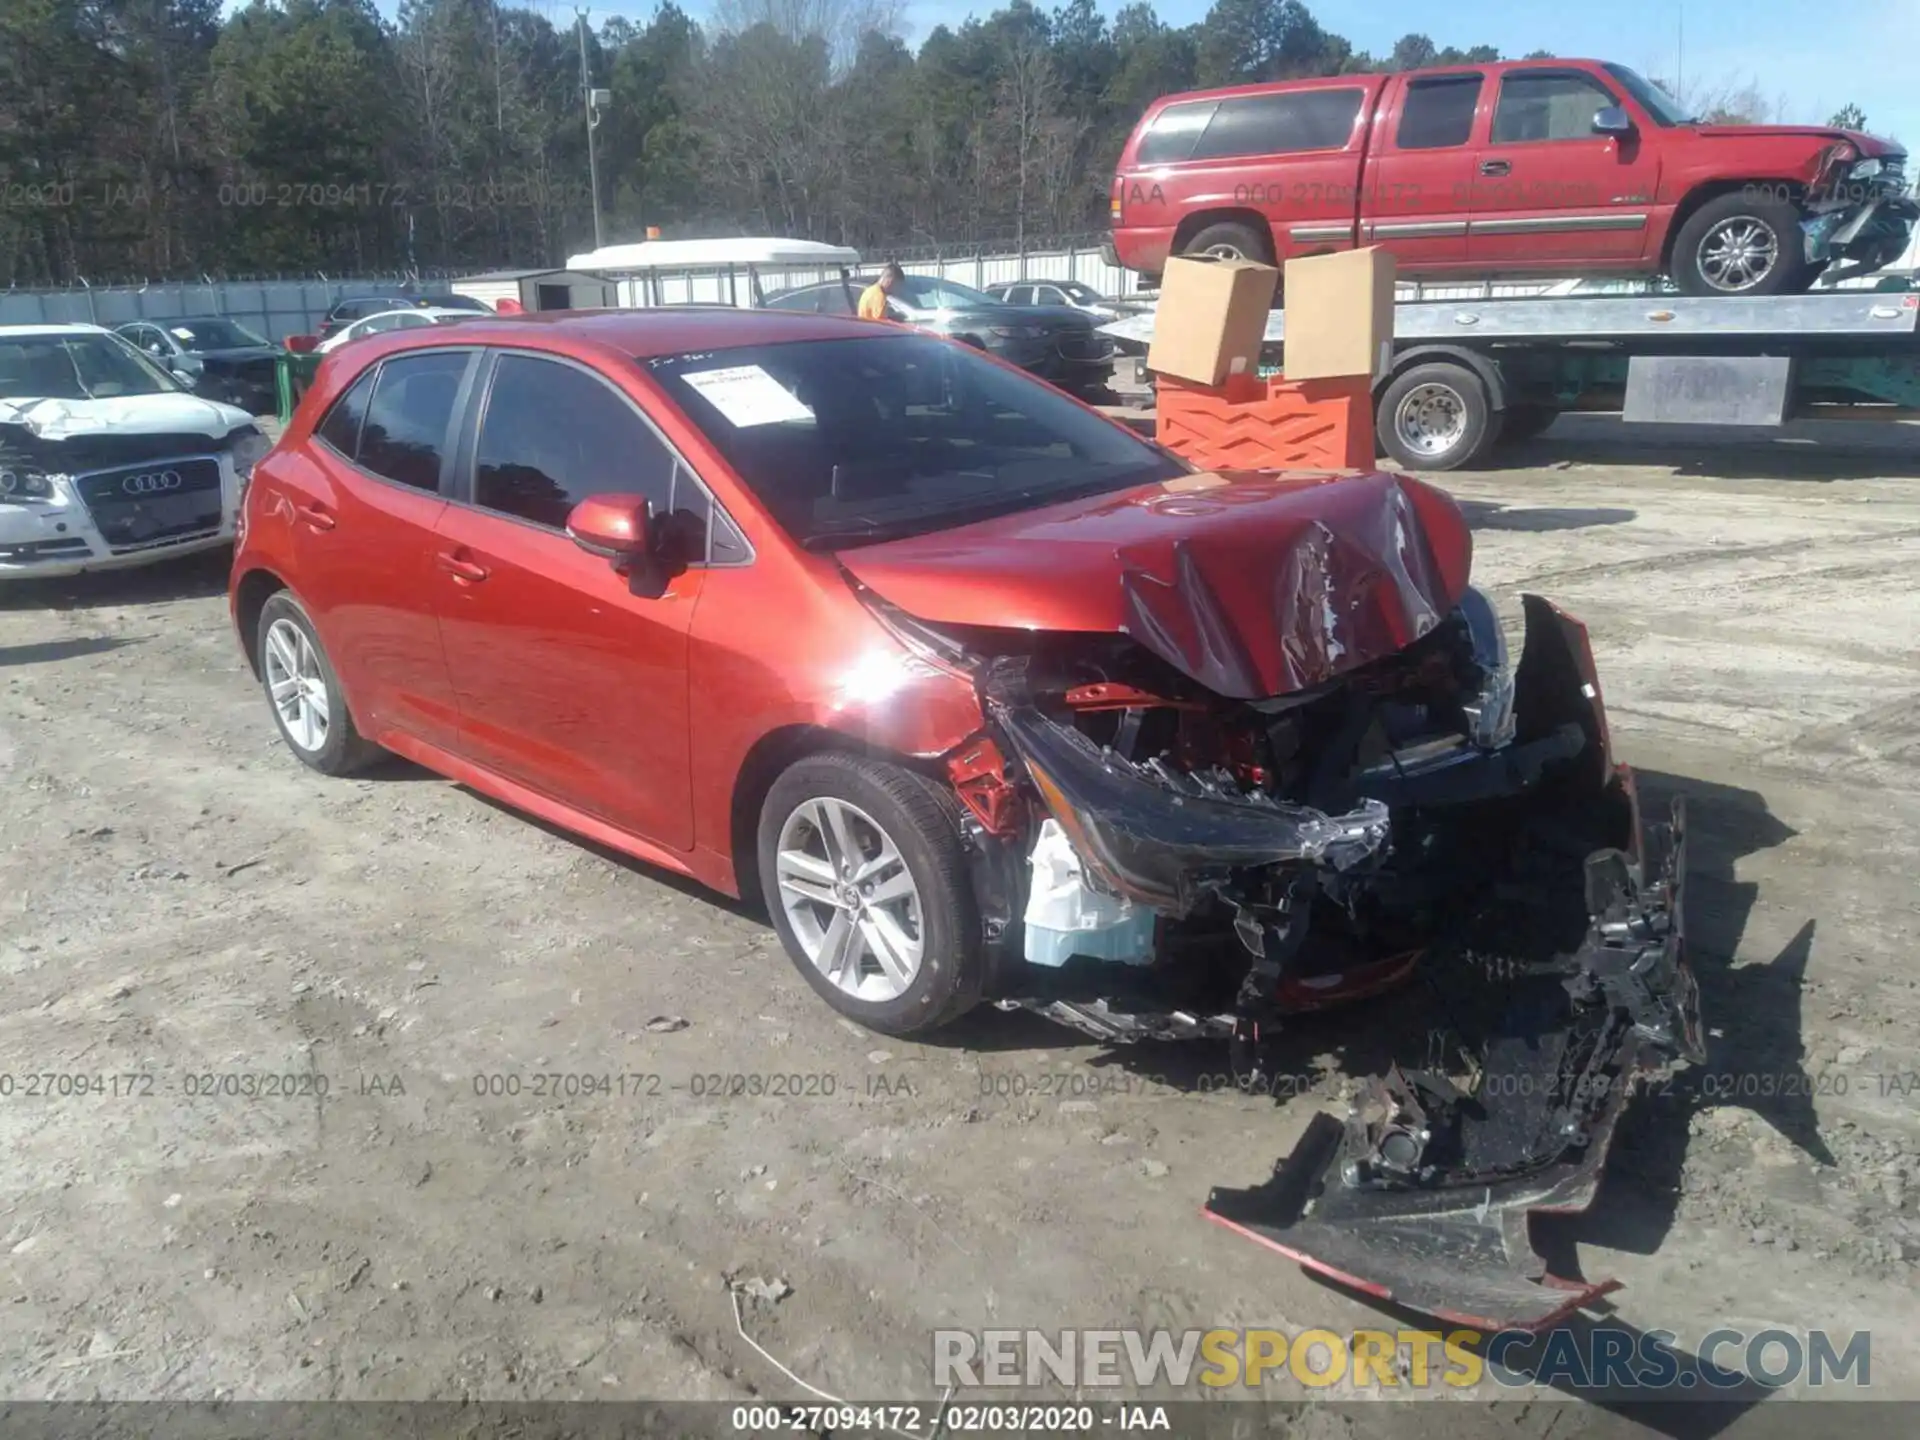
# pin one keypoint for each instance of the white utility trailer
(710, 272)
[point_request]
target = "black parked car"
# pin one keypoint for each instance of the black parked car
(217, 358)
(1052, 342)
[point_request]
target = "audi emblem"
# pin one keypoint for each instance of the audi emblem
(151, 483)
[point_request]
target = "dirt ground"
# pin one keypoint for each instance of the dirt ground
(180, 900)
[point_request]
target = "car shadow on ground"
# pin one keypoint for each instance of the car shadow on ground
(192, 577)
(47, 651)
(1809, 451)
(1539, 520)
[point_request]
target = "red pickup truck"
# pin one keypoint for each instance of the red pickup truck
(1563, 167)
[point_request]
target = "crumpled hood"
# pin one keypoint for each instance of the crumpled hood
(1866, 144)
(124, 415)
(1253, 583)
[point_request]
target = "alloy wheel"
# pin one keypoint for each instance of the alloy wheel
(850, 898)
(1738, 253)
(298, 688)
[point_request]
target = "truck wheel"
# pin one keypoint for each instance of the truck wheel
(1230, 240)
(864, 876)
(1737, 245)
(1434, 417)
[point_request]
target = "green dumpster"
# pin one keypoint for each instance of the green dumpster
(294, 373)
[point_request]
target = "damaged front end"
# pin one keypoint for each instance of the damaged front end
(1200, 866)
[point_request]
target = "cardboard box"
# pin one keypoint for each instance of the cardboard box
(1339, 311)
(1211, 318)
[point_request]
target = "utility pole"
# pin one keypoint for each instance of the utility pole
(1680, 59)
(594, 100)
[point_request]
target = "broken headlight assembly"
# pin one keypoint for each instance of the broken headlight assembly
(248, 448)
(23, 486)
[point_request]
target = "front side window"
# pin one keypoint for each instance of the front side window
(1438, 113)
(405, 433)
(554, 435)
(1548, 105)
(847, 441)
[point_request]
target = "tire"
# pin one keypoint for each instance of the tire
(878, 802)
(1445, 403)
(1525, 422)
(339, 749)
(1229, 240)
(1755, 227)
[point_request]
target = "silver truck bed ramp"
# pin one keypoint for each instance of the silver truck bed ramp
(1837, 315)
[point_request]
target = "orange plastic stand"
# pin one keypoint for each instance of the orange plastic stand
(1276, 424)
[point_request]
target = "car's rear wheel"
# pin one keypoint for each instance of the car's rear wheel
(1229, 240)
(861, 865)
(304, 691)
(1741, 245)
(1436, 416)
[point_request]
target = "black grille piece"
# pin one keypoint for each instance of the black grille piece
(149, 504)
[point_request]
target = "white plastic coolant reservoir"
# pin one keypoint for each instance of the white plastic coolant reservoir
(1064, 918)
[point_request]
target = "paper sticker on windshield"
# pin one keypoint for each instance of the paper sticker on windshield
(748, 395)
(181, 333)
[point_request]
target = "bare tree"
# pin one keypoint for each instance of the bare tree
(1026, 108)
(840, 23)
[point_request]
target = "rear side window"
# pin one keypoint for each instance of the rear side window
(1548, 105)
(1279, 124)
(341, 428)
(1438, 113)
(1173, 133)
(405, 433)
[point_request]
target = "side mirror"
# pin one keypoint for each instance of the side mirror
(1612, 120)
(618, 528)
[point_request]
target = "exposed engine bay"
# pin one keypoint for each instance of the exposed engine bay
(1155, 861)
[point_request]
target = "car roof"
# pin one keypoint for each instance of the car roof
(645, 333)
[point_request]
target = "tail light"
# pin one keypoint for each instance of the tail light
(1113, 201)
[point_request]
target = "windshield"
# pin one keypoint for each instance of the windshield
(77, 367)
(213, 334)
(455, 302)
(849, 441)
(1665, 110)
(1081, 294)
(923, 292)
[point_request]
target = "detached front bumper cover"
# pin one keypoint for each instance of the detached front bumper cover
(1423, 1196)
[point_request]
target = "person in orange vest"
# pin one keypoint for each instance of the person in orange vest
(873, 300)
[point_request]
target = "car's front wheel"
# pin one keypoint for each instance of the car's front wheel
(1741, 245)
(304, 691)
(861, 866)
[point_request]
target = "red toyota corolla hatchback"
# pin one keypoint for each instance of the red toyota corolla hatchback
(990, 699)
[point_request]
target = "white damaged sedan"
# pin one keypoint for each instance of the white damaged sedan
(107, 461)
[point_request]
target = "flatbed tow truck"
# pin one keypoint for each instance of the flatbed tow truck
(1468, 375)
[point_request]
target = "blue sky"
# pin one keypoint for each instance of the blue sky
(1816, 57)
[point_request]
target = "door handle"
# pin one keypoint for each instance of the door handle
(1495, 167)
(318, 516)
(460, 569)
